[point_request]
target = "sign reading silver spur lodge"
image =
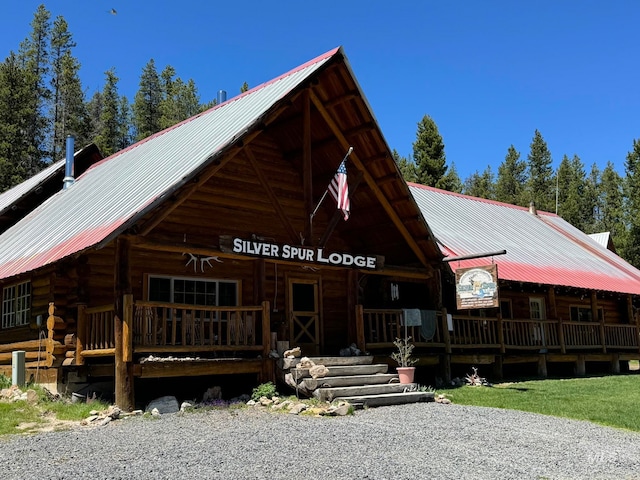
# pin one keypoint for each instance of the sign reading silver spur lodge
(297, 253)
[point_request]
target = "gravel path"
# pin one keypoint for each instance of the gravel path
(416, 441)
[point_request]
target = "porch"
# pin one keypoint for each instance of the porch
(496, 341)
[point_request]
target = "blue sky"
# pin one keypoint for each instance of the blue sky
(489, 72)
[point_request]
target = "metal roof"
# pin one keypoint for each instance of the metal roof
(120, 189)
(541, 249)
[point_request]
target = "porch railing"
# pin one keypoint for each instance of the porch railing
(171, 325)
(380, 327)
(168, 327)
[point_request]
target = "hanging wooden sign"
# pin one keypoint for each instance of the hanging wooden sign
(477, 287)
(298, 253)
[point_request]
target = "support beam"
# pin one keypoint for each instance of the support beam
(307, 171)
(370, 181)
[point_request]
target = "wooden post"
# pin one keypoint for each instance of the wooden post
(307, 173)
(560, 327)
(553, 309)
(445, 362)
(127, 328)
(542, 366)
(446, 335)
(122, 326)
(594, 316)
(497, 367)
(615, 363)
(81, 333)
(501, 333)
(581, 368)
(360, 337)
(266, 329)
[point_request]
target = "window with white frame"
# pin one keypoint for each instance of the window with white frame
(16, 305)
(193, 291)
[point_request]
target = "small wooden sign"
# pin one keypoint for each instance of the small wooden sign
(477, 287)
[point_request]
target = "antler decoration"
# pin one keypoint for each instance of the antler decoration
(196, 258)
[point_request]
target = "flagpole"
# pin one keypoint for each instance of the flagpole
(327, 190)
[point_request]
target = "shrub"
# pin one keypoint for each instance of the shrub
(264, 390)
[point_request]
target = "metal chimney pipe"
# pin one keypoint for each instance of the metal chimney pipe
(222, 96)
(68, 179)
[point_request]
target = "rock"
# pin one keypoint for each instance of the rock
(89, 419)
(105, 421)
(113, 412)
(166, 404)
(340, 410)
(213, 393)
(251, 403)
(318, 371)
(185, 406)
(442, 399)
(265, 402)
(155, 412)
(297, 408)
(32, 397)
(292, 353)
(305, 362)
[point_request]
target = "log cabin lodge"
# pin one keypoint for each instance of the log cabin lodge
(191, 252)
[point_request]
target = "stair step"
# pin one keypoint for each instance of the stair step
(344, 370)
(286, 363)
(328, 394)
(361, 401)
(349, 380)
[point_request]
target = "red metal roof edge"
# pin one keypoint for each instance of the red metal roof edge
(479, 199)
(328, 54)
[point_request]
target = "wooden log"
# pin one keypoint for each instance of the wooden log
(27, 346)
(6, 358)
(70, 340)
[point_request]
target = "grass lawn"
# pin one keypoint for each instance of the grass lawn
(611, 400)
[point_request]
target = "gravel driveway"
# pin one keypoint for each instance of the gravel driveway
(426, 440)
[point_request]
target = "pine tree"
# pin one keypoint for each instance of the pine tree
(480, 185)
(541, 186)
(34, 55)
(451, 180)
(570, 192)
(428, 153)
(110, 131)
(16, 148)
(631, 247)
(146, 105)
(64, 71)
(590, 197)
(244, 87)
(407, 168)
(610, 205)
(511, 181)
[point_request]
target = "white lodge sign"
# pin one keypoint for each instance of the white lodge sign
(297, 253)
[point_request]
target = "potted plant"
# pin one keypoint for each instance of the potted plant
(403, 358)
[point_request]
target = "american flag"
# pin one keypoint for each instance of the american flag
(339, 189)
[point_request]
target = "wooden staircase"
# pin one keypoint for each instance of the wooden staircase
(356, 380)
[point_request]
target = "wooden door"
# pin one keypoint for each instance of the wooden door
(538, 312)
(304, 314)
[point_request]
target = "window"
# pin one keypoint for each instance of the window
(536, 309)
(584, 314)
(16, 305)
(192, 291)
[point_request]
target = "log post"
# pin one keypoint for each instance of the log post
(122, 326)
(127, 328)
(542, 366)
(361, 341)
(445, 333)
(266, 329)
(594, 316)
(81, 333)
(581, 367)
(501, 333)
(560, 327)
